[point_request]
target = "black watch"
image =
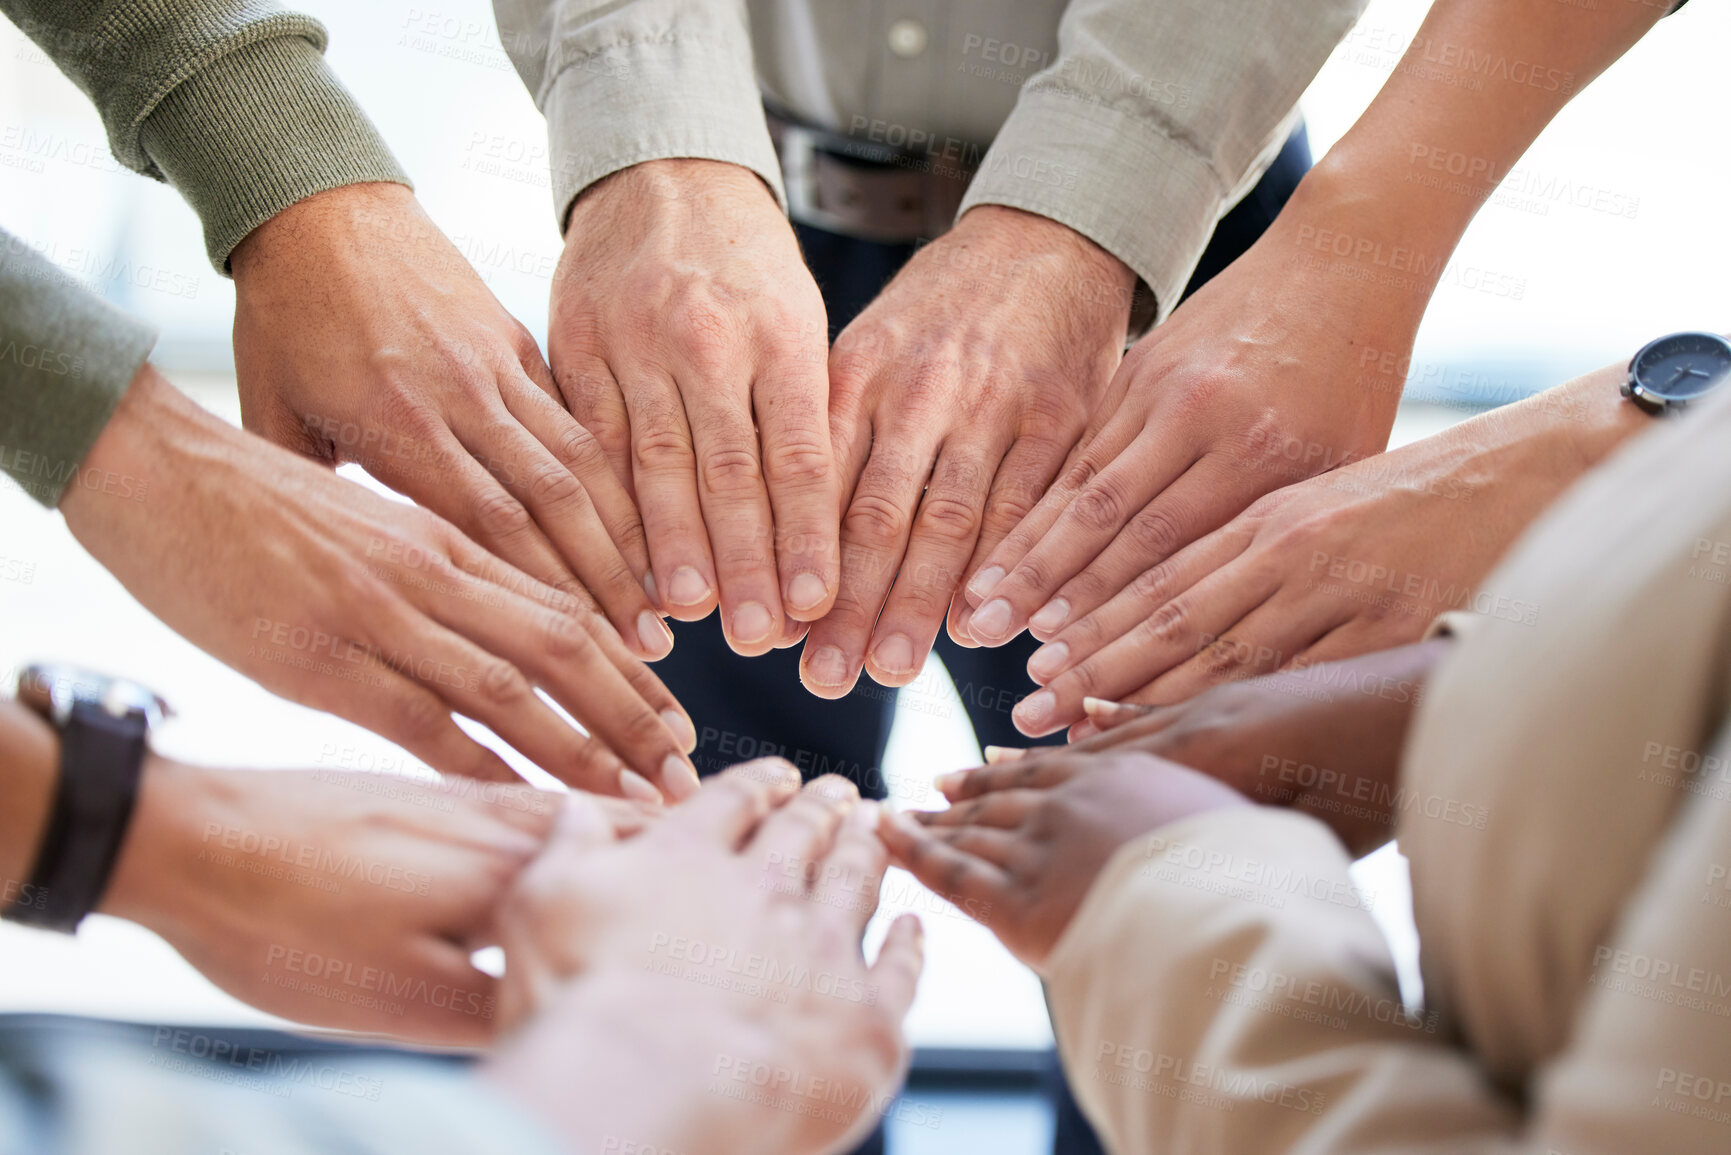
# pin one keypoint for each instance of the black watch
(1673, 371)
(104, 724)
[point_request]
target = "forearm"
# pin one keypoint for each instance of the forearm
(1475, 88)
(29, 766)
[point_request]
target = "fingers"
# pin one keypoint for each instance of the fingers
(444, 966)
(958, 876)
(399, 709)
(799, 469)
(1000, 810)
(874, 534)
(1186, 510)
(792, 840)
(1108, 716)
(1021, 483)
(944, 533)
(1093, 518)
(1001, 848)
(576, 657)
(732, 803)
(735, 503)
(1030, 773)
(897, 969)
(1263, 641)
(850, 878)
(592, 396)
(547, 489)
(664, 479)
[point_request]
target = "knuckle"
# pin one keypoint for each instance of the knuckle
(554, 485)
(874, 518)
(1099, 508)
(579, 449)
(563, 638)
(1156, 533)
(798, 462)
(498, 515)
(503, 686)
(949, 518)
(735, 470)
(662, 447)
(420, 716)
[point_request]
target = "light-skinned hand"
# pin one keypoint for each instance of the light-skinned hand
(687, 334)
(700, 988)
(362, 335)
(379, 612)
(954, 399)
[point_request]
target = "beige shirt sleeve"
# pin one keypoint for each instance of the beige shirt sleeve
(1224, 990)
(622, 83)
(1155, 119)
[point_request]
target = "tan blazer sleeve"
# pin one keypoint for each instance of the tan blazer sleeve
(1224, 990)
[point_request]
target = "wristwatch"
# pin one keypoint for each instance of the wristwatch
(1673, 371)
(104, 724)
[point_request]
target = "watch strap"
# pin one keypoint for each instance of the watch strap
(101, 757)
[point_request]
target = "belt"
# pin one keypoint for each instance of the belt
(866, 190)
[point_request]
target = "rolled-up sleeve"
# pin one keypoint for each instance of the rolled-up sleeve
(1155, 119)
(625, 83)
(230, 101)
(66, 359)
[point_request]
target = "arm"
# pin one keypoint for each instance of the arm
(361, 334)
(958, 395)
(684, 329)
(1263, 379)
(1358, 559)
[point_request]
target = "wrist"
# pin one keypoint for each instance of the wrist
(658, 187)
(153, 884)
(30, 756)
(314, 228)
(1021, 240)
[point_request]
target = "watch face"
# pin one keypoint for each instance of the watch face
(1682, 367)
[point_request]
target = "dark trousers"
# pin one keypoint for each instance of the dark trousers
(752, 707)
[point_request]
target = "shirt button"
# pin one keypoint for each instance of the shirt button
(908, 38)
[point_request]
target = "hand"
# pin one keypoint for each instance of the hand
(688, 335)
(1026, 849)
(954, 399)
(345, 601)
(1326, 739)
(1258, 381)
(722, 944)
(361, 334)
(1356, 560)
(337, 899)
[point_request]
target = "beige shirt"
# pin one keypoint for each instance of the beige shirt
(1137, 123)
(1565, 803)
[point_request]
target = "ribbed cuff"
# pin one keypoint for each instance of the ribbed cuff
(255, 131)
(1149, 200)
(66, 359)
(661, 99)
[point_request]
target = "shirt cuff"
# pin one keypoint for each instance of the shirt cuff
(256, 130)
(625, 103)
(66, 359)
(1146, 198)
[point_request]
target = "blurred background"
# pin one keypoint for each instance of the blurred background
(1607, 235)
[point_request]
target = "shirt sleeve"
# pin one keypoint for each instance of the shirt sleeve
(622, 83)
(1224, 990)
(1155, 119)
(230, 101)
(66, 359)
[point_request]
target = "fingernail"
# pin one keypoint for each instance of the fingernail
(636, 787)
(997, 754)
(1034, 710)
(652, 632)
(1048, 661)
(1052, 615)
(992, 621)
(895, 654)
(649, 588)
(752, 623)
(828, 667)
(1097, 707)
(679, 778)
(687, 588)
(985, 582)
(948, 782)
(1083, 730)
(864, 816)
(680, 726)
(806, 592)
